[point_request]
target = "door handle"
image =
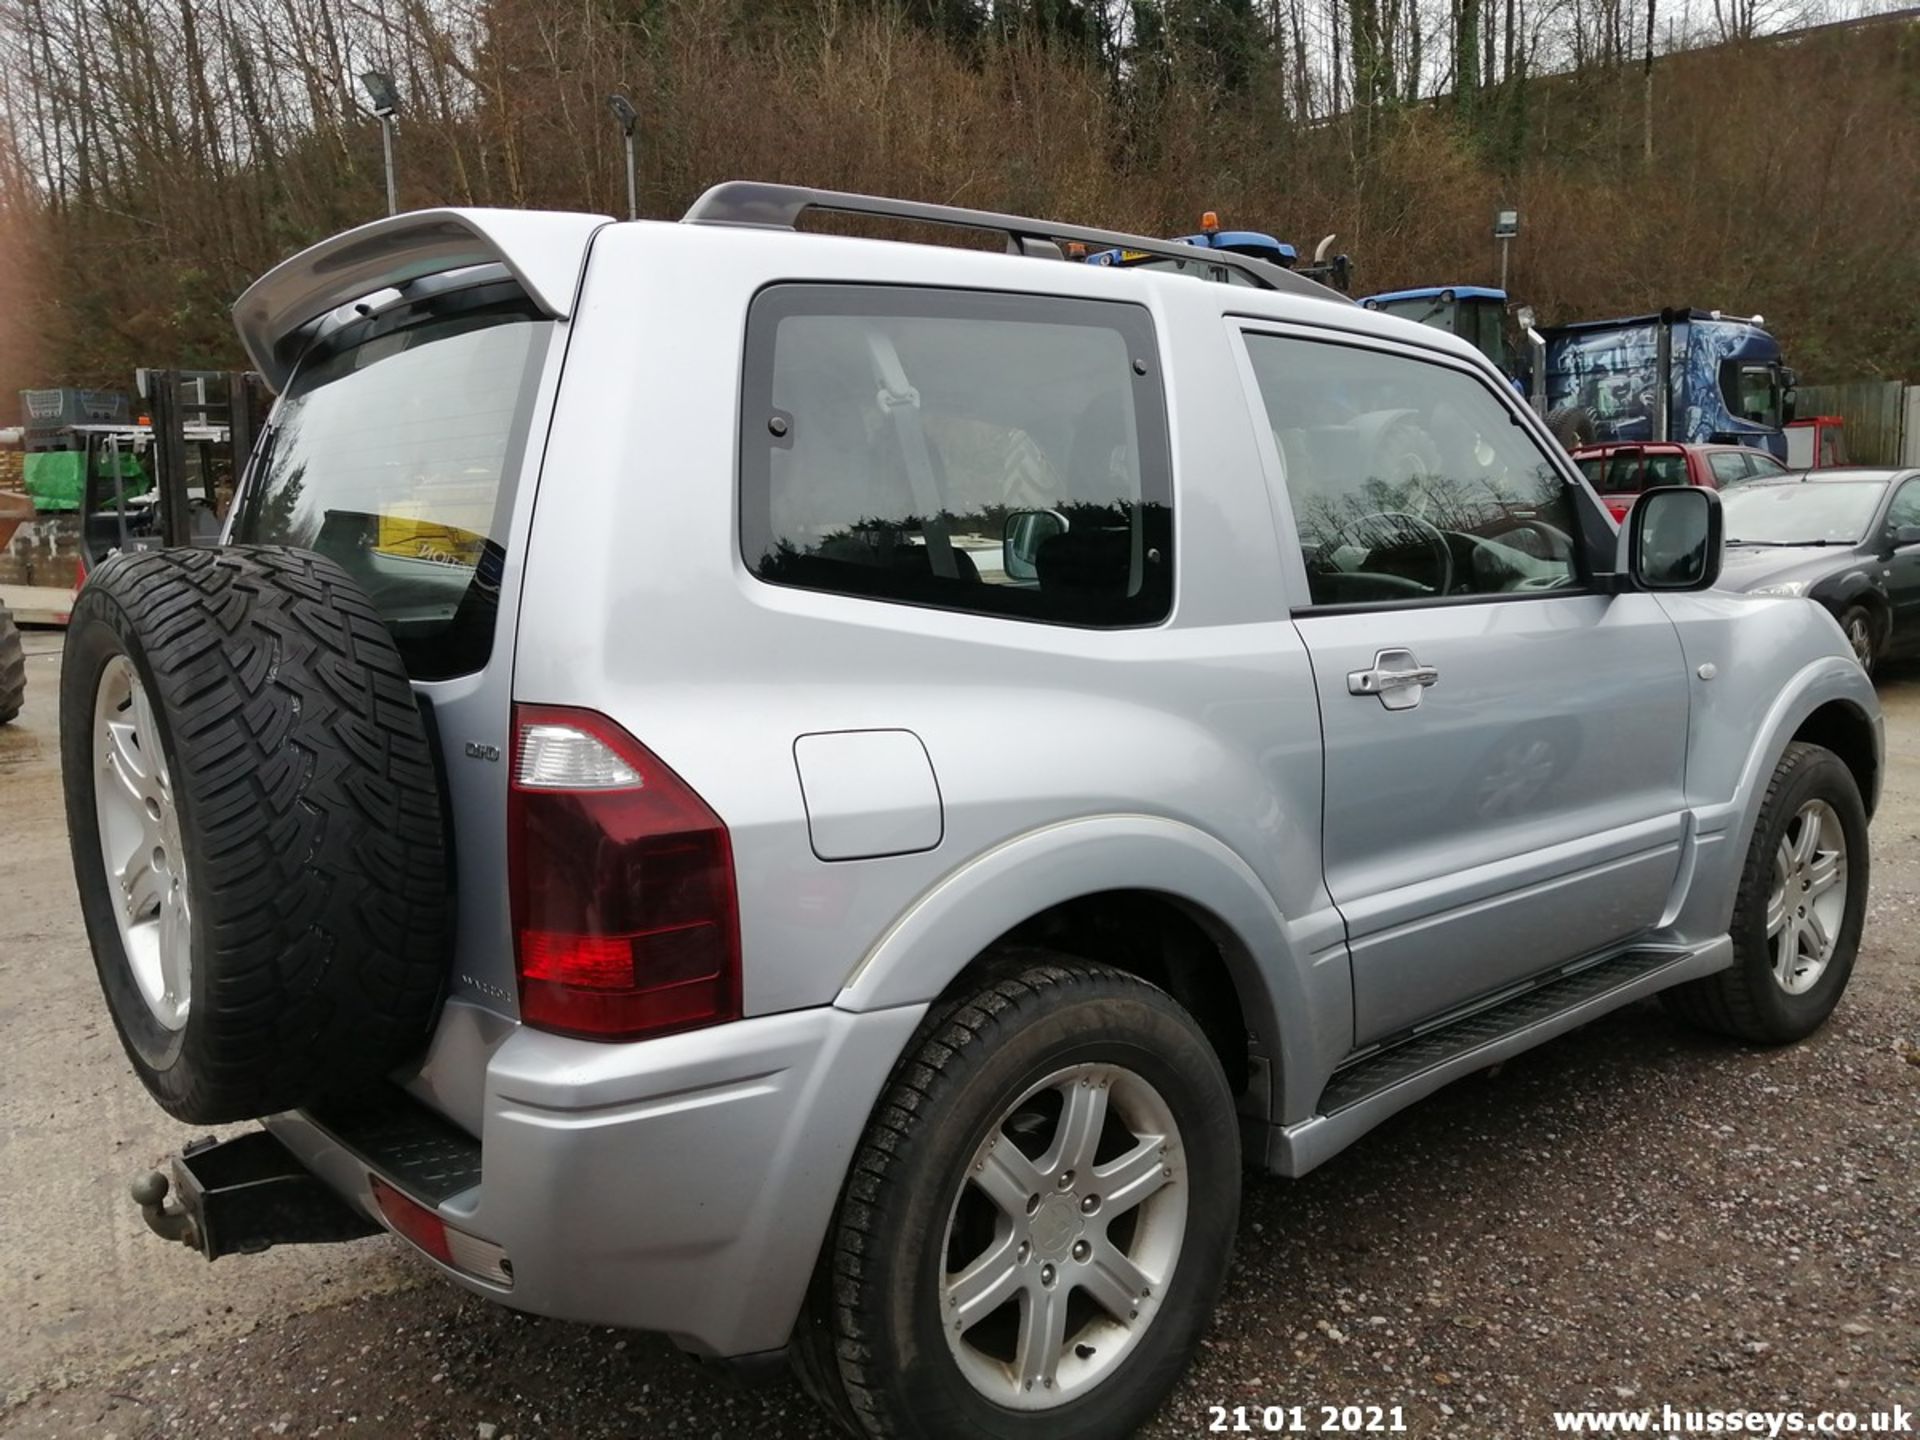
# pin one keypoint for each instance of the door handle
(1396, 677)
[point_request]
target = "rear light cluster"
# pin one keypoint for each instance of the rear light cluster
(624, 914)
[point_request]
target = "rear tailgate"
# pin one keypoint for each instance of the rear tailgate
(418, 360)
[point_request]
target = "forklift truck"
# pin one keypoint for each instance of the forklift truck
(198, 431)
(194, 442)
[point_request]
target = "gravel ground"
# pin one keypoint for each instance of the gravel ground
(1632, 1216)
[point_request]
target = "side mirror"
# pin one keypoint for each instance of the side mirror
(1020, 541)
(1905, 535)
(1672, 539)
(1789, 401)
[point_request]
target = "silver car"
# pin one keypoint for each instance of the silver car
(825, 796)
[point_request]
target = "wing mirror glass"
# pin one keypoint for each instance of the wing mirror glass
(1672, 539)
(1904, 535)
(1020, 541)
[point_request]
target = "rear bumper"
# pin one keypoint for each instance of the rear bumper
(681, 1185)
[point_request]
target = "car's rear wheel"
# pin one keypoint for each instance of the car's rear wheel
(1800, 908)
(1039, 1219)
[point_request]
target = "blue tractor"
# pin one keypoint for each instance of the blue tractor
(1329, 269)
(1695, 376)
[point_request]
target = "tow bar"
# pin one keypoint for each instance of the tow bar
(244, 1195)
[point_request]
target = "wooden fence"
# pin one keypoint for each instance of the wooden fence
(1875, 411)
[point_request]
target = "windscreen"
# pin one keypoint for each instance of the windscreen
(1422, 310)
(393, 454)
(1821, 512)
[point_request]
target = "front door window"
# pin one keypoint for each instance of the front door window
(1410, 481)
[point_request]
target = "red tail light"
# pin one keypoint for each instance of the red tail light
(624, 914)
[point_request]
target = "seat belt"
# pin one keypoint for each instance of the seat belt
(901, 402)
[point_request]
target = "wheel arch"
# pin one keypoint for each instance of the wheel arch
(1847, 730)
(1107, 888)
(1828, 701)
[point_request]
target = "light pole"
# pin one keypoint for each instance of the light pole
(628, 117)
(1506, 225)
(386, 104)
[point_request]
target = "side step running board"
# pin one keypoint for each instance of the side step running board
(1366, 1091)
(1353, 1083)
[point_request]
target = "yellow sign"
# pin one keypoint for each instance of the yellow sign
(432, 540)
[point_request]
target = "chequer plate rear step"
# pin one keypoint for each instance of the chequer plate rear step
(429, 1157)
(1397, 1063)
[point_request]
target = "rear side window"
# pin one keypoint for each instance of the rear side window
(1002, 454)
(391, 454)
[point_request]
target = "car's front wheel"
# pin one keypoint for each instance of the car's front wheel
(1858, 626)
(1039, 1218)
(1799, 911)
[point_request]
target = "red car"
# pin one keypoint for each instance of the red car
(1621, 470)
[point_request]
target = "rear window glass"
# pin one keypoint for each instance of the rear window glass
(1002, 454)
(1623, 474)
(1665, 470)
(1628, 472)
(391, 454)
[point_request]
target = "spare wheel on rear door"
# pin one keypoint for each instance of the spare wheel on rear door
(256, 827)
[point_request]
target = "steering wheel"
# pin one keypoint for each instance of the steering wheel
(1433, 534)
(1558, 542)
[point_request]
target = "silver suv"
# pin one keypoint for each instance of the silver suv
(824, 796)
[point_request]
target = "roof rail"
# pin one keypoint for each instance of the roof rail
(779, 207)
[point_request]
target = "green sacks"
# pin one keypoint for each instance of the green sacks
(55, 478)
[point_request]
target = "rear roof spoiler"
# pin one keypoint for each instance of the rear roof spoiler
(543, 250)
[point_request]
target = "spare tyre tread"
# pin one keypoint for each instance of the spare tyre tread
(310, 804)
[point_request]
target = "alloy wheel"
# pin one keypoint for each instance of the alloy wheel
(1063, 1236)
(1809, 897)
(1860, 637)
(140, 843)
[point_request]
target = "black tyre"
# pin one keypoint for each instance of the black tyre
(1038, 1221)
(1862, 629)
(1797, 918)
(13, 668)
(237, 725)
(1572, 426)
